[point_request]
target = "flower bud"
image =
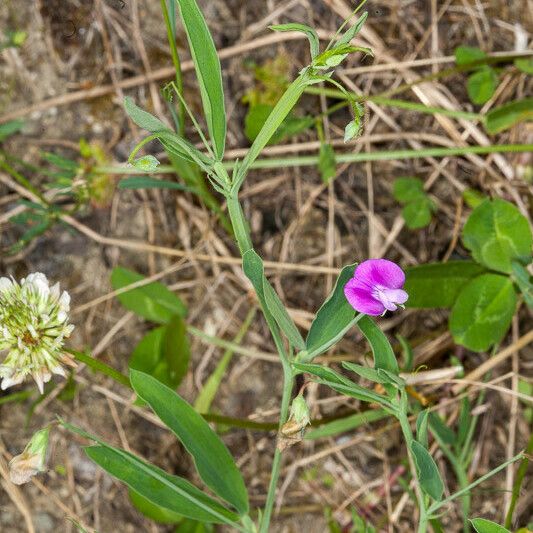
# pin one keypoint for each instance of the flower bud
(293, 430)
(32, 460)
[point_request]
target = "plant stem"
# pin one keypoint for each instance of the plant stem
(288, 383)
(520, 475)
(312, 160)
(408, 437)
(176, 61)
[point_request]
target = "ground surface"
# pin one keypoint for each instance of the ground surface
(78, 48)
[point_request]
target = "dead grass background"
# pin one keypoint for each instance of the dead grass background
(68, 81)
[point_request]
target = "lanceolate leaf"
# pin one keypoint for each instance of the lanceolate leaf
(170, 492)
(253, 268)
(152, 301)
(311, 34)
(428, 472)
(346, 424)
(504, 117)
(142, 118)
(208, 71)
(482, 525)
(383, 354)
(333, 319)
(483, 311)
(353, 31)
(438, 284)
(213, 461)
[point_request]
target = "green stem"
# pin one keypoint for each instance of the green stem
(312, 160)
(390, 102)
(288, 383)
(520, 475)
(462, 479)
(240, 226)
(409, 438)
(176, 61)
(437, 505)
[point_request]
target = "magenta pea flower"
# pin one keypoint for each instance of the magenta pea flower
(376, 287)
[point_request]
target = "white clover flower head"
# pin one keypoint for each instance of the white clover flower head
(33, 326)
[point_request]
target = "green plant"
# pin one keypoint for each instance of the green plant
(482, 294)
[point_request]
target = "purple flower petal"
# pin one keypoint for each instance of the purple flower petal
(376, 287)
(380, 272)
(361, 299)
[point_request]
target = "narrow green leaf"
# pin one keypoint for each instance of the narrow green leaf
(408, 354)
(383, 353)
(341, 384)
(208, 72)
(153, 511)
(439, 428)
(483, 312)
(438, 284)
(506, 116)
(333, 319)
(253, 268)
(176, 349)
(213, 461)
(170, 492)
(481, 525)
(428, 473)
(142, 118)
(481, 85)
(343, 425)
(153, 301)
(353, 31)
(524, 282)
(206, 396)
(310, 33)
(141, 182)
(327, 164)
(365, 372)
(10, 128)
(422, 428)
(473, 197)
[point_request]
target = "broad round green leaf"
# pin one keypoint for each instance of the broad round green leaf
(213, 461)
(438, 284)
(497, 233)
(408, 189)
(417, 214)
(481, 85)
(483, 311)
(153, 301)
